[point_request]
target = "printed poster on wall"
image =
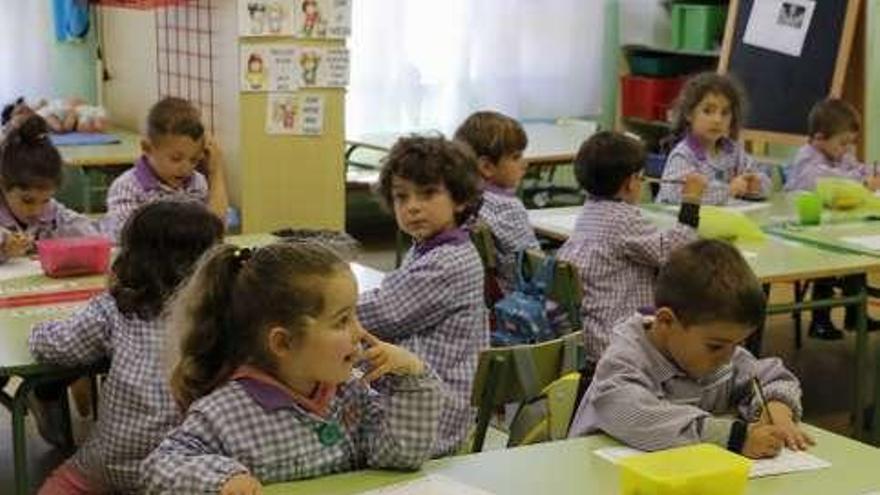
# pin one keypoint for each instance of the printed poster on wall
(780, 25)
(299, 114)
(322, 18)
(322, 67)
(269, 68)
(266, 17)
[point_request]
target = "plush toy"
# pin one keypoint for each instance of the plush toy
(90, 118)
(72, 114)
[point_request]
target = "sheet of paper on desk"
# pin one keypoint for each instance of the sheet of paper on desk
(787, 461)
(865, 241)
(19, 267)
(429, 485)
(733, 205)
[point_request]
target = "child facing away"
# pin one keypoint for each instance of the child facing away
(833, 126)
(160, 244)
(433, 304)
(499, 142)
(30, 175)
(616, 250)
(270, 337)
(708, 116)
(179, 160)
(669, 379)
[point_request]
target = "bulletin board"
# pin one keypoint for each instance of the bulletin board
(790, 54)
(293, 73)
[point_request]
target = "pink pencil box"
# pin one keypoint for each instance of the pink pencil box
(71, 256)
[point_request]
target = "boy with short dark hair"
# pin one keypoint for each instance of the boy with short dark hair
(616, 250)
(668, 379)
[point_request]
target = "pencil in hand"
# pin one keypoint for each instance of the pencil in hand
(759, 391)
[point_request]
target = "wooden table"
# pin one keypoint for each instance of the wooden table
(16, 323)
(98, 162)
(569, 467)
(774, 260)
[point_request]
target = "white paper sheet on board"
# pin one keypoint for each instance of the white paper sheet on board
(780, 25)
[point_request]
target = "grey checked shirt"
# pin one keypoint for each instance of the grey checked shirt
(240, 428)
(138, 186)
(508, 220)
(433, 305)
(617, 252)
(644, 400)
(810, 164)
(136, 408)
(688, 157)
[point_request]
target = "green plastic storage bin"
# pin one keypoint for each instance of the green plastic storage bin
(697, 27)
(658, 64)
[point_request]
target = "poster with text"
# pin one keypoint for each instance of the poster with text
(322, 18)
(269, 67)
(780, 25)
(322, 67)
(266, 17)
(295, 114)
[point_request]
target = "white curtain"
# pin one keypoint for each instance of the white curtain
(428, 63)
(25, 65)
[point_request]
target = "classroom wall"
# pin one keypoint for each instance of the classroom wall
(133, 87)
(72, 65)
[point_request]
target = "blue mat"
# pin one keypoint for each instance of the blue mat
(83, 139)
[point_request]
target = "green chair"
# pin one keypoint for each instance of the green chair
(566, 289)
(520, 374)
(481, 237)
(874, 414)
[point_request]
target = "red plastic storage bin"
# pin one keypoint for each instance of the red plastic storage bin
(649, 98)
(67, 257)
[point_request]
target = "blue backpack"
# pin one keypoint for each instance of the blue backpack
(521, 316)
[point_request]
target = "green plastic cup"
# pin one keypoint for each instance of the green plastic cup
(809, 208)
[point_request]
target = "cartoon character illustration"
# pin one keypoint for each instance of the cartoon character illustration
(275, 15)
(257, 15)
(309, 63)
(284, 113)
(314, 24)
(256, 73)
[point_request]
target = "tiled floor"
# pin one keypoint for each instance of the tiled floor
(825, 369)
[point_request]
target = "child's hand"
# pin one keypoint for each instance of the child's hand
(795, 438)
(763, 441)
(694, 185)
(753, 184)
(739, 186)
(241, 484)
(211, 162)
(386, 358)
(16, 244)
(873, 182)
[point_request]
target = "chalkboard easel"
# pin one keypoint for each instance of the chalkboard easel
(782, 88)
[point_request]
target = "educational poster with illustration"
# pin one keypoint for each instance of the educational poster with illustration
(300, 114)
(322, 18)
(322, 67)
(266, 17)
(269, 67)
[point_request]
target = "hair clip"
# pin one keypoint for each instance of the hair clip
(241, 255)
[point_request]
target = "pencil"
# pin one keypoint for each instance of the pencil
(760, 392)
(875, 168)
(652, 180)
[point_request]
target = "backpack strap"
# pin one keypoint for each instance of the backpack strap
(526, 370)
(542, 279)
(521, 284)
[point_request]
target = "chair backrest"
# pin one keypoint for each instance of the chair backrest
(481, 236)
(565, 290)
(517, 374)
